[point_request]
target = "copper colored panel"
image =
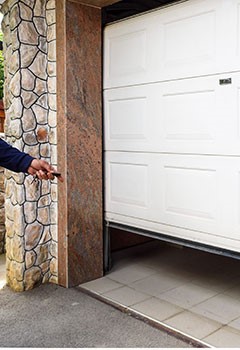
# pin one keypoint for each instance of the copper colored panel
(62, 143)
(80, 144)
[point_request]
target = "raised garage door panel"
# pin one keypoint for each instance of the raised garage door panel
(172, 129)
(185, 40)
(197, 193)
(186, 116)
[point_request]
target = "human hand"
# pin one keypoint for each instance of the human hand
(43, 170)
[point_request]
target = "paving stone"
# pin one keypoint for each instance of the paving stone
(224, 338)
(126, 296)
(102, 285)
(193, 324)
(157, 309)
(221, 308)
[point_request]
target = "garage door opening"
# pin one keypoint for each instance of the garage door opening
(172, 137)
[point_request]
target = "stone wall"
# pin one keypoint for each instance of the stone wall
(30, 100)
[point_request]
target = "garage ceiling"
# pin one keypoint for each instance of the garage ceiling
(126, 8)
(97, 3)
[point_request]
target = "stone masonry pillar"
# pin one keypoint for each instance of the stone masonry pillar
(30, 101)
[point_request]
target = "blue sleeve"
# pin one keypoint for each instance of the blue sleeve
(13, 159)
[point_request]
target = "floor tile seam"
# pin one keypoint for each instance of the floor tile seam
(169, 290)
(183, 309)
(138, 280)
(114, 288)
(215, 331)
(202, 338)
(129, 286)
(188, 282)
(190, 306)
(232, 287)
(201, 318)
(160, 267)
(219, 293)
(160, 300)
(225, 323)
(111, 280)
(123, 284)
(228, 324)
(232, 329)
(222, 283)
(196, 282)
(116, 301)
(151, 266)
(226, 293)
(162, 323)
(100, 293)
(176, 314)
(188, 278)
(134, 264)
(104, 295)
(131, 312)
(153, 295)
(147, 264)
(221, 328)
(149, 297)
(188, 309)
(134, 289)
(198, 285)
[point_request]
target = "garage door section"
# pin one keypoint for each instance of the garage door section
(198, 115)
(172, 122)
(195, 38)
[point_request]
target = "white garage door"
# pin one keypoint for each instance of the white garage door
(172, 121)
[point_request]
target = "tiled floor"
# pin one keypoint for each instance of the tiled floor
(194, 292)
(2, 271)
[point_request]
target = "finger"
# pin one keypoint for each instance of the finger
(45, 165)
(60, 178)
(31, 171)
(42, 175)
(50, 176)
(35, 164)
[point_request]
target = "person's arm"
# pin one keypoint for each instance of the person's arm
(13, 159)
(17, 161)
